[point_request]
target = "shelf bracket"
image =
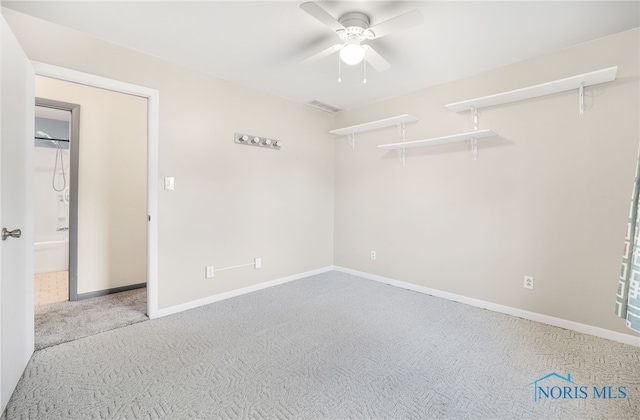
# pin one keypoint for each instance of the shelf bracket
(474, 148)
(474, 116)
(352, 140)
(402, 152)
(474, 140)
(581, 99)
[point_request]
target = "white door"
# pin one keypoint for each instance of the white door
(16, 254)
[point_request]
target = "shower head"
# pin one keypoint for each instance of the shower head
(43, 134)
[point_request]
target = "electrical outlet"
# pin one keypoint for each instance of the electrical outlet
(209, 272)
(373, 255)
(257, 262)
(528, 282)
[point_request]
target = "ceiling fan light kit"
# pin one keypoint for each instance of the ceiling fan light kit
(352, 52)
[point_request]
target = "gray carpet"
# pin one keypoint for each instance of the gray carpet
(67, 321)
(329, 346)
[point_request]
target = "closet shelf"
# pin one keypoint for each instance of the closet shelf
(480, 134)
(374, 125)
(548, 88)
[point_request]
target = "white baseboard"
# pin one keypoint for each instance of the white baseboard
(233, 293)
(533, 316)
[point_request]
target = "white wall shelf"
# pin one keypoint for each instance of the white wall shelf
(575, 82)
(350, 132)
(456, 138)
(375, 125)
(472, 136)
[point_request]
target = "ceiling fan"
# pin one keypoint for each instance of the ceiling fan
(353, 30)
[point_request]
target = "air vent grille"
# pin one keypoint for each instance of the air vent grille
(325, 107)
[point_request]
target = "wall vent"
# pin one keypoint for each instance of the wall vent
(325, 107)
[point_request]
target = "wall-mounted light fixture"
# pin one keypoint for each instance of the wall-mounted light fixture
(250, 140)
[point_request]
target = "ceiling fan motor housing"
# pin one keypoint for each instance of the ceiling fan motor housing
(355, 23)
(354, 19)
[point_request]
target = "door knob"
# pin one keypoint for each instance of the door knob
(15, 233)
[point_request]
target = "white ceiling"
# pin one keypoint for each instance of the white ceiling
(261, 43)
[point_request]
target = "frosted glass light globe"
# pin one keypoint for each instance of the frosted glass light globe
(352, 54)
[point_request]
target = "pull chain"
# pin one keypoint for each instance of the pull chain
(339, 70)
(365, 71)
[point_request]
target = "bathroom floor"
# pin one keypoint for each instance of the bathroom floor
(51, 288)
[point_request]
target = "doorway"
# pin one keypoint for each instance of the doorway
(55, 182)
(153, 102)
(97, 186)
(108, 167)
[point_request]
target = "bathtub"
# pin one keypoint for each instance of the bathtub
(51, 254)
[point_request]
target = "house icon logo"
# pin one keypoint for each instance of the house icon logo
(555, 387)
(539, 391)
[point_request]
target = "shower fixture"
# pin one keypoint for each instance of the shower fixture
(56, 142)
(55, 168)
(43, 135)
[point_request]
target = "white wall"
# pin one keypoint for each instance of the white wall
(232, 203)
(111, 184)
(549, 197)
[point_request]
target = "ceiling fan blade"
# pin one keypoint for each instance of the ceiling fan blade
(322, 15)
(398, 23)
(322, 54)
(375, 60)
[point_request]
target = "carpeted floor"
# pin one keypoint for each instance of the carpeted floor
(329, 346)
(67, 321)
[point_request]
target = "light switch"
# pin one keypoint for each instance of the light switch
(169, 183)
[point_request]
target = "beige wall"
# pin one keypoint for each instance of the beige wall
(232, 203)
(112, 184)
(549, 197)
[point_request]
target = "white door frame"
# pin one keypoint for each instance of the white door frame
(153, 107)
